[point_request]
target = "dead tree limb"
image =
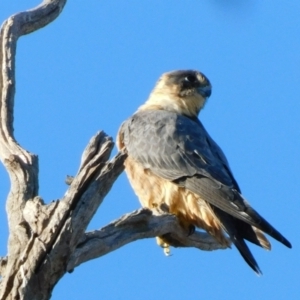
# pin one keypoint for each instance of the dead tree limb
(139, 224)
(47, 240)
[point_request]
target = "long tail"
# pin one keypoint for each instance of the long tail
(238, 231)
(246, 253)
(232, 202)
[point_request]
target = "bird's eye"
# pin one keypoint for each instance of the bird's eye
(191, 78)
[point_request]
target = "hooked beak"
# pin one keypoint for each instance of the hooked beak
(204, 91)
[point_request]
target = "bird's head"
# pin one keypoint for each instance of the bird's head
(184, 92)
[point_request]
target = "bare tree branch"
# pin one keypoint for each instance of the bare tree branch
(139, 224)
(21, 165)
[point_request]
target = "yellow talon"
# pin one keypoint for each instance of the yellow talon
(167, 250)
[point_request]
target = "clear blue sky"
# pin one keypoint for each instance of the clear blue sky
(93, 66)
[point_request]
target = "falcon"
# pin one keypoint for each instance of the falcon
(173, 161)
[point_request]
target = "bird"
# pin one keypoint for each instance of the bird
(173, 161)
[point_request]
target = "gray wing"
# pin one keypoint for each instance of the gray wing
(179, 149)
(173, 146)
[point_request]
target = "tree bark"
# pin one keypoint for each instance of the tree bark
(48, 240)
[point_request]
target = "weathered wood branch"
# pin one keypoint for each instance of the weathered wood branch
(139, 224)
(21, 165)
(47, 240)
(54, 230)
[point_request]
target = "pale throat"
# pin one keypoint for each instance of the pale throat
(189, 105)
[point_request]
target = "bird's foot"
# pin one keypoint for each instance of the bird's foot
(164, 245)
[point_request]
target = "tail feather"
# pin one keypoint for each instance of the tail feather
(232, 202)
(263, 241)
(252, 234)
(265, 226)
(246, 254)
(238, 231)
